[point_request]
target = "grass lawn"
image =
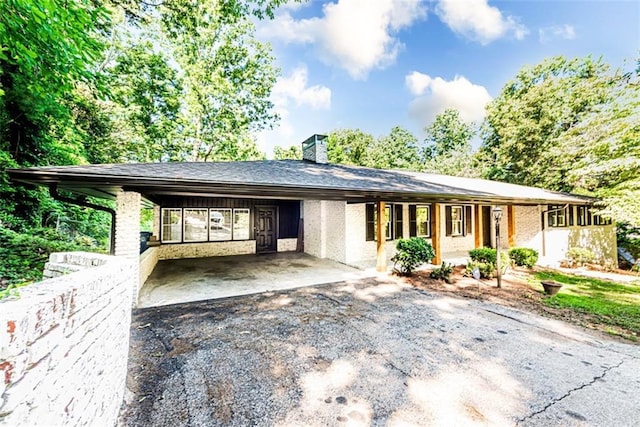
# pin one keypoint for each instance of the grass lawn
(614, 304)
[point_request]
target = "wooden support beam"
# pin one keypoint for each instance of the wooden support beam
(381, 237)
(511, 226)
(478, 238)
(435, 232)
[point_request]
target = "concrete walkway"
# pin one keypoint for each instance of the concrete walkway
(197, 279)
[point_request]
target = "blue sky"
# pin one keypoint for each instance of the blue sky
(375, 64)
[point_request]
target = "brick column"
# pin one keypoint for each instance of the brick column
(381, 238)
(128, 232)
(156, 221)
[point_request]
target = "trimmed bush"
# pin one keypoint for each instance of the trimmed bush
(524, 257)
(580, 256)
(485, 255)
(487, 270)
(411, 253)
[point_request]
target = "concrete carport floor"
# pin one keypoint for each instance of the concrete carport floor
(197, 279)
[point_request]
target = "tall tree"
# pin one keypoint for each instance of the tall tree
(525, 121)
(398, 150)
(292, 153)
(448, 145)
(349, 146)
(606, 143)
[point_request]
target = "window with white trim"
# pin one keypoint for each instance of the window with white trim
(241, 222)
(423, 221)
(220, 225)
(457, 221)
(171, 225)
(195, 225)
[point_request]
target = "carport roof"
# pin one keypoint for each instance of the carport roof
(282, 179)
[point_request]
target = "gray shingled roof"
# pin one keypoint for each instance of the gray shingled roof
(296, 179)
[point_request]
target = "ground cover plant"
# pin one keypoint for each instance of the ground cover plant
(613, 304)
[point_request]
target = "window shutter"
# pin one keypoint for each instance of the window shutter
(413, 231)
(467, 220)
(398, 218)
(370, 222)
(447, 215)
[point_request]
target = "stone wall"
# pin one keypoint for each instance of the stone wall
(287, 245)
(206, 249)
(64, 344)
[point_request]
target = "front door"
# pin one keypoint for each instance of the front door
(266, 229)
(486, 226)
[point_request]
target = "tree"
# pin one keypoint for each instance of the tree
(524, 123)
(292, 153)
(349, 146)
(398, 150)
(606, 143)
(448, 145)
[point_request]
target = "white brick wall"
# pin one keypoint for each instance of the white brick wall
(324, 229)
(64, 345)
(206, 249)
(528, 232)
(287, 245)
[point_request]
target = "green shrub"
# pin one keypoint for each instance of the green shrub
(22, 256)
(486, 269)
(580, 256)
(524, 257)
(443, 272)
(486, 255)
(411, 253)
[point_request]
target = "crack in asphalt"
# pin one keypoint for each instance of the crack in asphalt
(567, 394)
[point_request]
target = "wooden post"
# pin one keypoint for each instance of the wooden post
(511, 226)
(478, 226)
(381, 237)
(435, 233)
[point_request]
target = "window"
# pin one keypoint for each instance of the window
(557, 216)
(195, 225)
(458, 220)
(171, 225)
(219, 224)
(398, 217)
(241, 224)
(584, 216)
(423, 221)
(371, 220)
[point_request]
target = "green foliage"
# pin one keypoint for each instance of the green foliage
(349, 146)
(398, 150)
(448, 149)
(22, 256)
(612, 303)
(11, 290)
(580, 256)
(524, 257)
(486, 255)
(443, 272)
(487, 270)
(292, 153)
(521, 136)
(411, 253)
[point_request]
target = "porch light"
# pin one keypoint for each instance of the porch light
(497, 216)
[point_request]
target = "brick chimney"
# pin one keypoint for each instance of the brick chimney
(314, 149)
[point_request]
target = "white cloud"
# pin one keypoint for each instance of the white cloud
(292, 91)
(566, 31)
(356, 35)
(417, 82)
(437, 94)
(478, 21)
(295, 88)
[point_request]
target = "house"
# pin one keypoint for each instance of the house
(326, 210)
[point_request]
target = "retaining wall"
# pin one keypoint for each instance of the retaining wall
(64, 344)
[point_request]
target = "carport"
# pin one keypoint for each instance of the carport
(196, 279)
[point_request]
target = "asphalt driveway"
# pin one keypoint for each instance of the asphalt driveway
(372, 352)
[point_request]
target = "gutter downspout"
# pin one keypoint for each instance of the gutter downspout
(53, 191)
(544, 229)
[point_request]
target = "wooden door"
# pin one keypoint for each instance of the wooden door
(486, 226)
(266, 229)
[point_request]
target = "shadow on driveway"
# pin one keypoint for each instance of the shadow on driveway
(371, 352)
